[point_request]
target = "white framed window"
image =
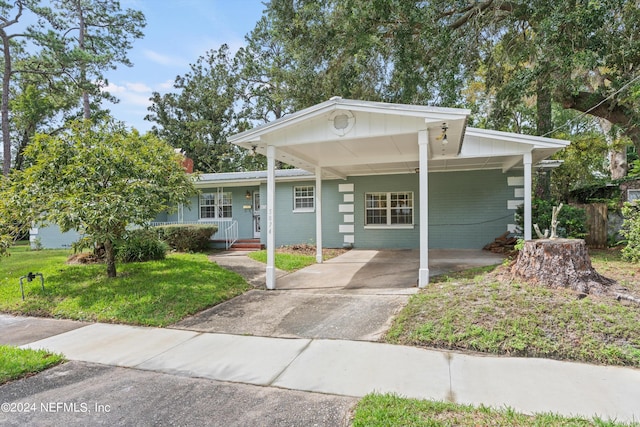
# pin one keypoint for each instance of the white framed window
(216, 205)
(633, 195)
(304, 198)
(389, 209)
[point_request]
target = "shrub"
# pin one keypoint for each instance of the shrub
(631, 230)
(572, 221)
(141, 245)
(187, 238)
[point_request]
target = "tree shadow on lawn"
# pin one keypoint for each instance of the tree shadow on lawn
(155, 293)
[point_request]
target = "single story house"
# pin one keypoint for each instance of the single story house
(373, 175)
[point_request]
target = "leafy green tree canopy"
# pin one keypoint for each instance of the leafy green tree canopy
(198, 117)
(99, 179)
(63, 47)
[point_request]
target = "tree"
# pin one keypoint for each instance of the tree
(92, 37)
(99, 179)
(71, 40)
(8, 44)
(201, 114)
(583, 55)
(9, 227)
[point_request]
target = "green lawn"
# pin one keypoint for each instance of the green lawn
(482, 311)
(156, 293)
(385, 410)
(16, 363)
(285, 261)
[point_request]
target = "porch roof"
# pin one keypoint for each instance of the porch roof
(348, 137)
(250, 178)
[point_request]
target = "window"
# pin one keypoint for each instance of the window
(633, 195)
(389, 209)
(215, 205)
(303, 198)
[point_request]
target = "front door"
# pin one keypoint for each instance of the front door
(256, 214)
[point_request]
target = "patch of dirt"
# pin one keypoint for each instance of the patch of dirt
(84, 258)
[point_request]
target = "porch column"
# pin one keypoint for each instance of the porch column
(526, 160)
(271, 202)
(423, 155)
(318, 214)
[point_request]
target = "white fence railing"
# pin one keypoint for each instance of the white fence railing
(231, 234)
(222, 224)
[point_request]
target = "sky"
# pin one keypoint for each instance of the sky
(177, 33)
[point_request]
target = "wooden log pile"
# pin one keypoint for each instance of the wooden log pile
(503, 244)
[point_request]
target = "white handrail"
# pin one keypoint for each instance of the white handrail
(222, 225)
(231, 234)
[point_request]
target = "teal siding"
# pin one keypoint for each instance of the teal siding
(466, 211)
(300, 227)
(50, 237)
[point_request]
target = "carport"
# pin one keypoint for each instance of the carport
(341, 138)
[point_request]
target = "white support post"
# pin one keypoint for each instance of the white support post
(423, 154)
(318, 214)
(526, 160)
(271, 202)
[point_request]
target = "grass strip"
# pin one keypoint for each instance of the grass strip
(375, 410)
(285, 261)
(17, 362)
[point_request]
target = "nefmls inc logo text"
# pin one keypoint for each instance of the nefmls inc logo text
(64, 407)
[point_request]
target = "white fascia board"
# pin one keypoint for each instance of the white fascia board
(402, 109)
(536, 141)
(253, 182)
(234, 183)
(436, 113)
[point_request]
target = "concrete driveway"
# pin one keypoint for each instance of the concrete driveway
(354, 296)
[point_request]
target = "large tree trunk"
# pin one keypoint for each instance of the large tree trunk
(110, 258)
(560, 263)
(617, 156)
(544, 125)
(6, 80)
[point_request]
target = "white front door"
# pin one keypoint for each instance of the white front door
(256, 214)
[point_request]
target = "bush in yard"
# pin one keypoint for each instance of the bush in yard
(572, 221)
(141, 245)
(187, 238)
(631, 230)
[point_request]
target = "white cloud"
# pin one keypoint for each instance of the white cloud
(130, 93)
(161, 59)
(113, 88)
(138, 87)
(130, 98)
(166, 85)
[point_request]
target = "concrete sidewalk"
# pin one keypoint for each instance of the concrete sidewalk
(351, 368)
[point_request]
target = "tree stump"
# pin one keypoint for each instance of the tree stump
(560, 263)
